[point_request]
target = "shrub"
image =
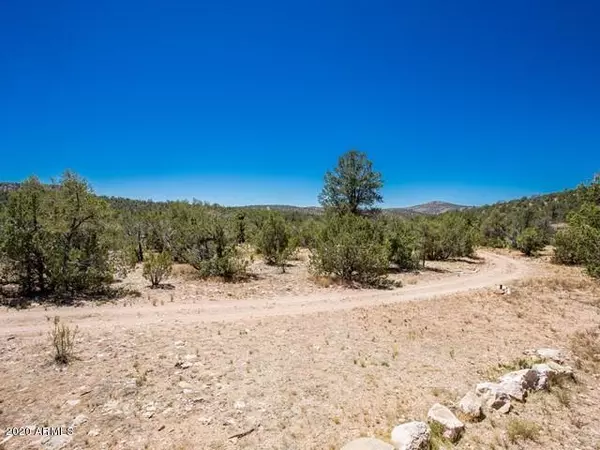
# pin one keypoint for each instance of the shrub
(519, 429)
(157, 267)
(275, 241)
(402, 245)
(351, 248)
(63, 341)
(580, 242)
(530, 241)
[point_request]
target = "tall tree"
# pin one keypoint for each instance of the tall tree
(353, 186)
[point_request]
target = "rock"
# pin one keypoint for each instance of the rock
(79, 420)
(551, 372)
(56, 442)
(561, 370)
(366, 443)
(493, 396)
(73, 402)
(453, 428)
(411, 436)
(545, 376)
(94, 433)
(239, 405)
(551, 353)
(471, 406)
(517, 383)
(185, 385)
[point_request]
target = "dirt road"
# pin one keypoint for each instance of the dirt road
(500, 269)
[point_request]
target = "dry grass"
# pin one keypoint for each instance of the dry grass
(585, 345)
(522, 430)
(310, 381)
(62, 338)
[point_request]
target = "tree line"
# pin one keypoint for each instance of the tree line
(62, 240)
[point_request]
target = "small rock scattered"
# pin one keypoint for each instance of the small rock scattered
(79, 420)
(56, 442)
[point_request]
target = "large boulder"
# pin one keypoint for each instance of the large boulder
(411, 436)
(453, 428)
(471, 406)
(367, 443)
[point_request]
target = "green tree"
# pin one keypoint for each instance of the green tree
(58, 238)
(26, 242)
(276, 241)
(351, 248)
(530, 241)
(353, 186)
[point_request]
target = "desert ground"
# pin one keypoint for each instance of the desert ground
(284, 362)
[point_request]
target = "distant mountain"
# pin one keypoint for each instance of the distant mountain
(436, 207)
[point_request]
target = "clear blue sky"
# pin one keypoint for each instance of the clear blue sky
(242, 102)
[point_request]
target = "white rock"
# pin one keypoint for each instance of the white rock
(185, 385)
(411, 436)
(79, 420)
(551, 353)
(517, 383)
(367, 444)
(239, 405)
(471, 406)
(56, 442)
(545, 376)
(73, 402)
(453, 428)
(493, 396)
(94, 433)
(561, 369)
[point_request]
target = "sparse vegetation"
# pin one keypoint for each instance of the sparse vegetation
(157, 267)
(63, 337)
(522, 430)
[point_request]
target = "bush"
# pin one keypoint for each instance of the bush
(212, 250)
(449, 235)
(351, 248)
(275, 241)
(63, 341)
(530, 241)
(403, 242)
(580, 242)
(157, 267)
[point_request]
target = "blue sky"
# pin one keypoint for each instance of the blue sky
(242, 102)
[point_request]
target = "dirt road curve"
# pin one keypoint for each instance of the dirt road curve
(501, 269)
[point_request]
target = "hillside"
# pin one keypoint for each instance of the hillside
(436, 207)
